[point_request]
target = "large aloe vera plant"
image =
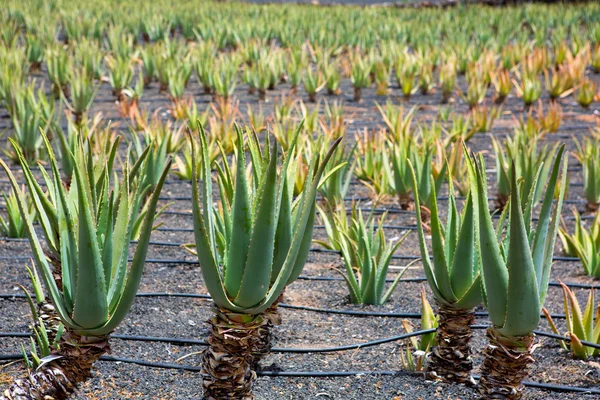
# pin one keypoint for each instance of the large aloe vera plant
(454, 275)
(249, 250)
(88, 227)
(516, 258)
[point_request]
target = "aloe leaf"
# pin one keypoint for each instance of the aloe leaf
(542, 228)
(552, 233)
(465, 263)
(90, 308)
(523, 303)
(440, 264)
(305, 245)
(429, 272)
(38, 253)
(494, 270)
(241, 226)
(257, 272)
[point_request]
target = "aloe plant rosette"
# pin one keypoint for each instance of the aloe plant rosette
(454, 275)
(515, 261)
(248, 251)
(95, 288)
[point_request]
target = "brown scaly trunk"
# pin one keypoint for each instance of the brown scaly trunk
(59, 378)
(501, 201)
(505, 365)
(450, 359)
(592, 207)
(357, 94)
(233, 341)
(405, 201)
(265, 344)
(47, 313)
(262, 94)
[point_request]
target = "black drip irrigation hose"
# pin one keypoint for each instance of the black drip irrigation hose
(315, 374)
(304, 350)
(319, 374)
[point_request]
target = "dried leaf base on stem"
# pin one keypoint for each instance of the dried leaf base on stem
(450, 359)
(273, 318)
(505, 365)
(233, 342)
(58, 379)
(47, 313)
(500, 202)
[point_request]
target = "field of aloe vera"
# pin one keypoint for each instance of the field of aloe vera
(233, 201)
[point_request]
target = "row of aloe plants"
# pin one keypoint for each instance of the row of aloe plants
(89, 222)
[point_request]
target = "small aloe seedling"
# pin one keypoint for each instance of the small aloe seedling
(588, 154)
(420, 156)
(522, 153)
(580, 325)
(360, 75)
(454, 275)
(83, 91)
(502, 84)
(313, 83)
(367, 256)
(14, 225)
(414, 358)
(120, 74)
(585, 93)
(584, 244)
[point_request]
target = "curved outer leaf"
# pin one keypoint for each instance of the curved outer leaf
(38, 253)
(495, 273)
(429, 273)
(440, 266)
(304, 246)
(242, 226)
(550, 239)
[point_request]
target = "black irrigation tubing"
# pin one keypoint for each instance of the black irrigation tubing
(311, 374)
(306, 350)
(353, 313)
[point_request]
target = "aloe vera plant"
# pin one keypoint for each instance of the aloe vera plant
(516, 259)
(421, 156)
(588, 154)
(367, 256)
(414, 358)
(454, 275)
(583, 243)
(93, 289)
(249, 251)
(580, 325)
(522, 153)
(14, 225)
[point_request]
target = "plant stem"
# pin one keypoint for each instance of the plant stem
(505, 365)
(450, 359)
